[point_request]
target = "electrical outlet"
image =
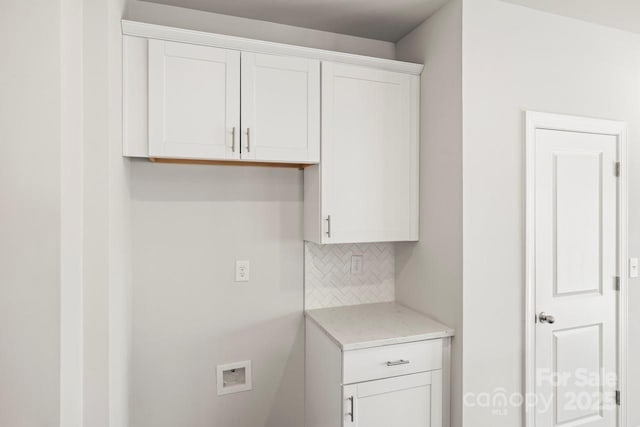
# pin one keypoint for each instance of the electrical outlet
(356, 264)
(242, 271)
(633, 267)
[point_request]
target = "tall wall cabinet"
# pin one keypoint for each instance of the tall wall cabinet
(366, 187)
(351, 121)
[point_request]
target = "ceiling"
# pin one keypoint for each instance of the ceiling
(622, 14)
(386, 20)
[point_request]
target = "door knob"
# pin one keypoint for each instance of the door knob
(546, 318)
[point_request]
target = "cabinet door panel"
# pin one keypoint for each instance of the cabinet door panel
(369, 154)
(405, 401)
(194, 95)
(280, 108)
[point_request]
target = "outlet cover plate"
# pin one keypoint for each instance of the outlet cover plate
(633, 267)
(234, 388)
(356, 264)
(242, 270)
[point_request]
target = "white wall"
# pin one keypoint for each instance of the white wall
(517, 59)
(106, 220)
(71, 213)
(30, 213)
(242, 27)
(62, 225)
(119, 244)
(96, 214)
(429, 272)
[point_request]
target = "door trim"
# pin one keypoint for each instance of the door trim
(537, 120)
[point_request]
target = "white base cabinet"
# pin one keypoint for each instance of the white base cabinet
(407, 401)
(391, 385)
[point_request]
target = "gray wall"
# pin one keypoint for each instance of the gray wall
(429, 272)
(29, 213)
(517, 59)
(189, 224)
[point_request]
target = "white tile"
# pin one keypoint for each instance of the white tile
(328, 278)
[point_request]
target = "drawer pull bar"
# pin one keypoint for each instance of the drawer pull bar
(398, 362)
(352, 413)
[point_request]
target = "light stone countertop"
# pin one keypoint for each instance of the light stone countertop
(371, 325)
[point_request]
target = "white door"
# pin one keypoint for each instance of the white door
(280, 108)
(574, 275)
(369, 168)
(194, 101)
(407, 401)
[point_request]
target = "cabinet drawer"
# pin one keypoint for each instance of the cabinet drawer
(391, 360)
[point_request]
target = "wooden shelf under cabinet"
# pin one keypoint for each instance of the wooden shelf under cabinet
(228, 163)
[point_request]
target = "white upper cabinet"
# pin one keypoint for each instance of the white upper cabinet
(194, 101)
(351, 120)
(203, 96)
(280, 108)
(196, 110)
(366, 188)
(190, 101)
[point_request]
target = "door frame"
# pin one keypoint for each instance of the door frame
(537, 120)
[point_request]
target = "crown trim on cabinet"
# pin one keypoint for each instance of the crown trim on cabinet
(154, 31)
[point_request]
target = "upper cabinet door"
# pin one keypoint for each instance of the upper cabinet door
(194, 101)
(280, 108)
(369, 169)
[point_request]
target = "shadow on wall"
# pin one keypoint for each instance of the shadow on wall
(290, 392)
(173, 182)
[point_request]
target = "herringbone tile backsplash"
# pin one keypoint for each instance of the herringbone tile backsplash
(329, 282)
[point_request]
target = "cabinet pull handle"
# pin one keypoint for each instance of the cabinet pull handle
(351, 413)
(328, 225)
(248, 140)
(398, 362)
(233, 139)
